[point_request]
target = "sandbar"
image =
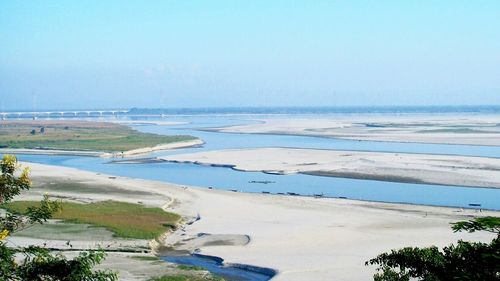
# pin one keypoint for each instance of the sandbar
(396, 167)
(466, 129)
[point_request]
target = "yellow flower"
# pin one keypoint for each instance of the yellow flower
(3, 234)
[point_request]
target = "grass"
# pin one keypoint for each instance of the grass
(125, 220)
(146, 258)
(78, 135)
(190, 267)
(65, 231)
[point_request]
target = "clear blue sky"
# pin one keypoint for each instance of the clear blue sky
(75, 54)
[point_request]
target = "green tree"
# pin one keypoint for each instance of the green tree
(463, 261)
(36, 263)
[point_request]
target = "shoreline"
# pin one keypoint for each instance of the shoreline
(445, 170)
(288, 233)
(222, 130)
(133, 152)
(477, 130)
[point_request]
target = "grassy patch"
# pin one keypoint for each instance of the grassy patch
(66, 231)
(125, 220)
(190, 267)
(146, 258)
(78, 135)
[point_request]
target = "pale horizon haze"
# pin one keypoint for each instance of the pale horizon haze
(123, 54)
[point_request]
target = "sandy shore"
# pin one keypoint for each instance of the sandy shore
(168, 146)
(133, 152)
(444, 129)
(396, 167)
(302, 238)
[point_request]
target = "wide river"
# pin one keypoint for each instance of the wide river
(225, 178)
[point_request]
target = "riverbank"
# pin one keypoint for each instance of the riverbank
(465, 129)
(302, 238)
(84, 138)
(393, 167)
(134, 152)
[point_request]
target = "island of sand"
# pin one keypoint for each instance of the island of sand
(85, 138)
(395, 167)
(473, 129)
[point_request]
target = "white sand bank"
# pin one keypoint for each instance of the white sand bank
(398, 167)
(303, 238)
(446, 129)
(168, 146)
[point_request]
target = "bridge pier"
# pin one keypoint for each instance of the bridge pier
(60, 114)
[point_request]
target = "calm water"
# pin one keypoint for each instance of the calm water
(215, 266)
(225, 178)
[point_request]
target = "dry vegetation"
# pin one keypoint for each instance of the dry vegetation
(78, 135)
(125, 220)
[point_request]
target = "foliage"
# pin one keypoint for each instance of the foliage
(463, 261)
(490, 224)
(189, 267)
(125, 220)
(35, 263)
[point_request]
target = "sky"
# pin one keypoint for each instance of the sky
(123, 54)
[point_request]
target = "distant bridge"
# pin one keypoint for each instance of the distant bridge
(62, 113)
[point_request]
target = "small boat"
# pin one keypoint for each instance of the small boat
(262, 182)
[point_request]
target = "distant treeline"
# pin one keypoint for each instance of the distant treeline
(315, 110)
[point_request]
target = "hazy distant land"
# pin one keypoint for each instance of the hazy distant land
(478, 129)
(84, 137)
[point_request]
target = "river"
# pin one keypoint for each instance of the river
(228, 179)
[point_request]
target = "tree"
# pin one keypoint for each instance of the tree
(463, 261)
(36, 263)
